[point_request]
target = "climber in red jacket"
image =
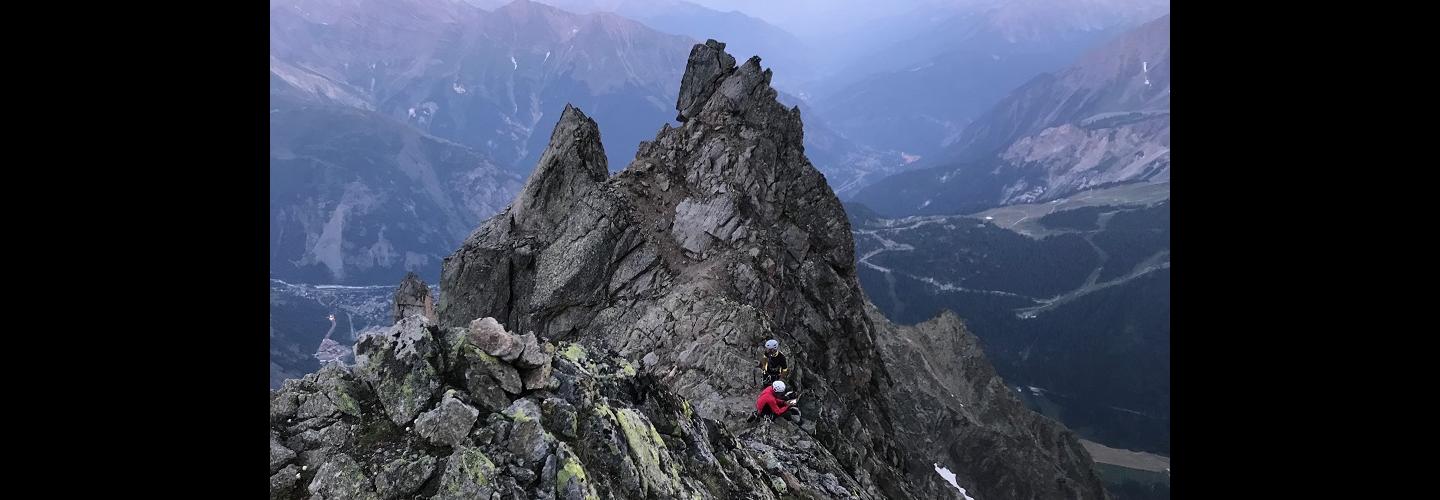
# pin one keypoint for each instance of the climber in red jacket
(769, 405)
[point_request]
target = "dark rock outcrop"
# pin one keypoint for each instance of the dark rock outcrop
(413, 297)
(449, 423)
(991, 440)
(708, 63)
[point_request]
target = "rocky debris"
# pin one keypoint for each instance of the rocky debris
(469, 474)
(448, 423)
(403, 477)
(528, 439)
(533, 356)
(279, 454)
(539, 377)
(341, 478)
(282, 483)
(487, 334)
(477, 363)
(413, 297)
(523, 476)
(397, 364)
(612, 432)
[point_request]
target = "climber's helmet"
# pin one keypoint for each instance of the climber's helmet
(779, 387)
(771, 345)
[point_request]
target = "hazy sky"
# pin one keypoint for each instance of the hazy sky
(808, 18)
(804, 18)
(843, 27)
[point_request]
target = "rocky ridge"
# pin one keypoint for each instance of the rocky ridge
(643, 295)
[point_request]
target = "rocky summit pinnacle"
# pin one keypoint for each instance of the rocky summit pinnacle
(642, 299)
(413, 297)
(708, 63)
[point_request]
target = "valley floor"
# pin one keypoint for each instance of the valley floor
(1125, 458)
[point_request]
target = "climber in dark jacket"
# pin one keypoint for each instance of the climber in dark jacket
(773, 364)
(769, 404)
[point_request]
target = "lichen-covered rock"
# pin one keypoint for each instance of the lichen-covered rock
(560, 417)
(479, 371)
(325, 437)
(284, 481)
(396, 363)
(284, 403)
(319, 398)
(403, 477)
(527, 437)
(448, 423)
(571, 482)
(523, 410)
(469, 474)
(658, 473)
(475, 362)
(341, 478)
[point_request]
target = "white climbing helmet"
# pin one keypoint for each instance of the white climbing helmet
(778, 386)
(772, 344)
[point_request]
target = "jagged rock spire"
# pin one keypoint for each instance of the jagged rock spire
(707, 65)
(572, 166)
(413, 297)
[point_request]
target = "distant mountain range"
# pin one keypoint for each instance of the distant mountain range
(919, 93)
(743, 35)
(485, 79)
(356, 197)
(1104, 120)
